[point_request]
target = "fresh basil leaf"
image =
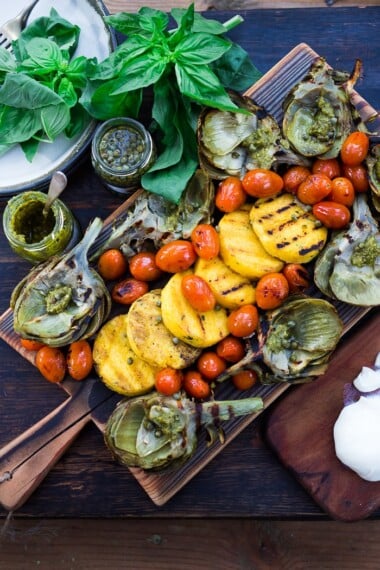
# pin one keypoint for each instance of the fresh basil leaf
(18, 125)
(30, 148)
(110, 67)
(236, 70)
(201, 49)
(185, 24)
(24, 92)
(79, 119)
(152, 20)
(124, 22)
(44, 53)
(67, 92)
(101, 104)
(200, 24)
(141, 72)
(77, 71)
(55, 119)
(203, 86)
(7, 61)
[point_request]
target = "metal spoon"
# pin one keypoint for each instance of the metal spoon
(57, 184)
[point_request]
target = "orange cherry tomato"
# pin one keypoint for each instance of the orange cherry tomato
(176, 256)
(271, 290)
(294, 177)
(195, 385)
(112, 264)
(314, 189)
(128, 290)
(243, 321)
(205, 240)
(51, 362)
(197, 291)
(328, 166)
(79, 359)
(297, 277)
(261, 183)
(31, 344)
(210, 365)
(143, 266)
(354, 148)
(230, 195)
(333, 215)
(231, 349)
(343, 191)
(245, 379)
(358, 176)
(168, 381)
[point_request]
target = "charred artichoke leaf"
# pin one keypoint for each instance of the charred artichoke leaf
(318, 113)
(373, 167)
(64, 299)
(151, 220)
(156, 432)
(302, 334)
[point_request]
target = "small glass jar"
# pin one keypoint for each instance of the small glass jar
(35, 236)
(122, 150)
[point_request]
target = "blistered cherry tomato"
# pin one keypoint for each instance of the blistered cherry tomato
(343, 191)
(143, 266)
(293, 178)
(231, 349)
(51, 362)
(205, 240)
(79, 359)
(112, 264)
(243, 321)
(333, 215)
(196, 386)
(176, 256)
(31, 344)
(127, 291)
(271, 290)
(230, 194)
(297, 277)
(314, 189)
(197, 291)
(168, 381)
(210, 365)
(245, 379)
(354, 148)
(358, 176)
(328, 166)
(261, 183)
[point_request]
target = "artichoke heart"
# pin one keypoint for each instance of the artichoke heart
(302, 335)
(63, 299)
(156, 432)
(318, 113)
(373, 167)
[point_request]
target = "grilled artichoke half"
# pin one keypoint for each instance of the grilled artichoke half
(348, 269)
(318, 114)
(156, 432)
(373, 166)
(63, 299)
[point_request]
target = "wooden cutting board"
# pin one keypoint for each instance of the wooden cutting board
(300, 429)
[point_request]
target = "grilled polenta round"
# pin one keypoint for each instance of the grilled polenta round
(151, 340)
(116, 363)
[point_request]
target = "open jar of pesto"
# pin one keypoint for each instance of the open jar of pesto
(122, 150)
(36, 236)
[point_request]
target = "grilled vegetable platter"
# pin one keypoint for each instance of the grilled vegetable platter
(200, 308)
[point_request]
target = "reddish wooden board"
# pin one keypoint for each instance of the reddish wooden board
(300, 430)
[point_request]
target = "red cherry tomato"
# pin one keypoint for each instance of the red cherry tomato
(230, 195)
(343, 191)
(112, 264)
(205, 240)
(297, 277)
(333, 215)
(210, 365)
(261, 183)
(197, 291)
(294, 177)
(127, 291)
(31, 344)
(245, 379)
(231, 349)
(330, 167)
(355, 148)
(243, 321)
(271, 290)
(176, 256)
(196, 386)
(168, 381)
(358, 176)
(51, 362)
(143, 266)
(314, 189)
(79, 359)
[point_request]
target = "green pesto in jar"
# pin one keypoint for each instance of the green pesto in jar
(29, 224)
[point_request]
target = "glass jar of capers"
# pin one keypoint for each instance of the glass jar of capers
(122, 150)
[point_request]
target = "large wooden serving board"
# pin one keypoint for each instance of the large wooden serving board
(300, 430)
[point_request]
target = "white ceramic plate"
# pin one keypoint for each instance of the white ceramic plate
(16, 172)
